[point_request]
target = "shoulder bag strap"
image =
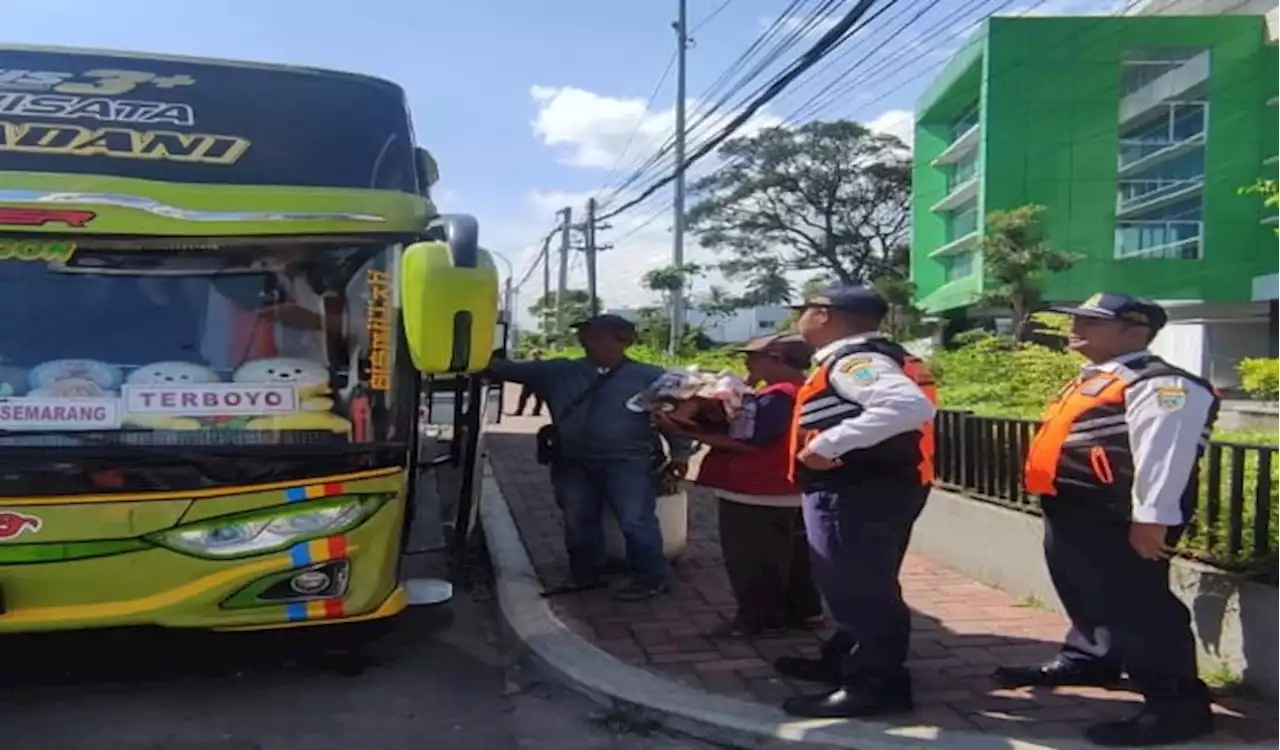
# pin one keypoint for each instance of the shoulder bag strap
(590, 391)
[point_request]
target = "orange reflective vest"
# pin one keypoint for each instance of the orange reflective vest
(819, 407)
(1082, 447)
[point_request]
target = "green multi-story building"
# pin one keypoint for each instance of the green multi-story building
(1135, 133)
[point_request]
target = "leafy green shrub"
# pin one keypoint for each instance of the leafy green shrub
(713, 360)
(991, 375)
(1260, 378)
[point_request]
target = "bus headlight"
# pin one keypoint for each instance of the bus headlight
(270, 530)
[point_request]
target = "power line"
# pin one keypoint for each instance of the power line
(1129, 4)
(710, 16)
(845, 84)
(538, 259)
(836, 35)
(702, 117)
(798, 30)
(648, 105)
(842, 80)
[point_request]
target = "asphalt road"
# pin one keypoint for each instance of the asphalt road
(420, 687)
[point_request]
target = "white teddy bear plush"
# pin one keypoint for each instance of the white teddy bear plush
(312, 382)
(74, 378)
(170, 374)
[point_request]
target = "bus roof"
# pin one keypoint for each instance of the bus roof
(191, 120)
(191, 59)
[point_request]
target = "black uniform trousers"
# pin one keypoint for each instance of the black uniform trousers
(858, 535)
(1124, 615)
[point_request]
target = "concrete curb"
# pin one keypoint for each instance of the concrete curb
(588, 670)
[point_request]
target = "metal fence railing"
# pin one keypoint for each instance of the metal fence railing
(1235, 523)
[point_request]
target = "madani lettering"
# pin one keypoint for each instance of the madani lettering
(221, 399)
(123, 143)
(60, 252)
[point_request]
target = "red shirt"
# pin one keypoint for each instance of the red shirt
(763, 471)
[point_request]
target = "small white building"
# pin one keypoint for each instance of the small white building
(731, 329)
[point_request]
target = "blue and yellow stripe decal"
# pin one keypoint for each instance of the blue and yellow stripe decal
(314, 491)
(320, 609)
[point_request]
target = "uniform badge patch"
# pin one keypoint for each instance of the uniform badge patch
(1171, 397)
(861, 369)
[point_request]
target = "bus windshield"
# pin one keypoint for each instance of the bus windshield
(282, 345)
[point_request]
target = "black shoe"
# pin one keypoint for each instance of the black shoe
(1056, 673)
(1147, 728)
(638, 591)
(575, 586)
(872, 698)
(809, 670)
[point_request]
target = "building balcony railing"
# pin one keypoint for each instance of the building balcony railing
(1137, 156)
(1137, 196)
(958, 245)
(1183, 82)
(959, 195)
(1159, 240)
(961, 147)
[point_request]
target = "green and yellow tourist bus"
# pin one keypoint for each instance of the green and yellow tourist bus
(224, 285)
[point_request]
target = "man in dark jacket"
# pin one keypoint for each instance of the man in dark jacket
(606, 454)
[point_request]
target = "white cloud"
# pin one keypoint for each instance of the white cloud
(899, 122)
(598, 132)
(603, 132)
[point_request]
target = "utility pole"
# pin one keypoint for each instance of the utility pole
(566, 230)
(589, 242)
(677, 226)
(546, 285)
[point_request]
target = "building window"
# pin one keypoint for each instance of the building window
(965, 122)
(962, 222)
(960, 265)
(1168, 178)
(1158, 240)
(1180, 124)
(1143, 66)
(1162, 132)
(962, 171)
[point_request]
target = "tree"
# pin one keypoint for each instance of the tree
(827, 196)
(577, 306)
(904, 319)
(718, 303)
(1269, 191)
(1016, 258)
(808, 289)
(666, 281)
(765, 280)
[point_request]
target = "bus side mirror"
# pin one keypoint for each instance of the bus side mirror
(449, 294)
(428, 170)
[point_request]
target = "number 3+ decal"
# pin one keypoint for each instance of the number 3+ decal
(109, 82)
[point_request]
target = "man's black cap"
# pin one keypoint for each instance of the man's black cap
(1123, 308)
(606, 322)
(859, 300)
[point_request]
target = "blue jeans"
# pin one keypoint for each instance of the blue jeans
(630, 489)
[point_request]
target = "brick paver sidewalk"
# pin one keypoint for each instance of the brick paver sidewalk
(962, 628)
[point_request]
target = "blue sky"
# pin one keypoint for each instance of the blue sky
(526, 104)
